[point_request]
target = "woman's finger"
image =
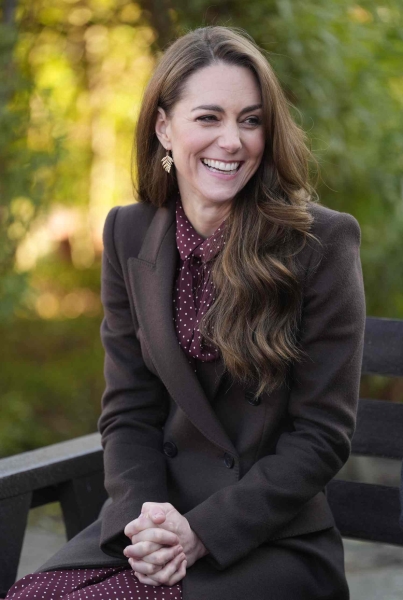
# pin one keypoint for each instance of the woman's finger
(143, 521)
(154, 511)
(179, 575)
(163, 580)
(164, 575)
(156, 535)
(145, 579)
(149, 541)
(175, 578)
(163, 556)
(139, 566)
(141, 549)
(148, 567)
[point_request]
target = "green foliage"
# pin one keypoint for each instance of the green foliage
(73, 80)
(25, 172)
(52, 382)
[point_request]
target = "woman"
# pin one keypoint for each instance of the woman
(233, 332)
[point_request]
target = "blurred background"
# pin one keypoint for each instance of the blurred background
(72, 77)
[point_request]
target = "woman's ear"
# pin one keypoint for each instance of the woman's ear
(162, 129)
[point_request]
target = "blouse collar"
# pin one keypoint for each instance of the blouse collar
(190, 243)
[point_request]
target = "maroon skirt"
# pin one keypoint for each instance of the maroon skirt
(117, 583)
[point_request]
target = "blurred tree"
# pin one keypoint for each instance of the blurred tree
(24, 169)
(82, 66)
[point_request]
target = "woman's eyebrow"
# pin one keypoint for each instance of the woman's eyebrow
(217, 108)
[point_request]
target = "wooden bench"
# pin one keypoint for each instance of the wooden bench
(72, 472)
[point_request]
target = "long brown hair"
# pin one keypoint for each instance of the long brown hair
(255, 318)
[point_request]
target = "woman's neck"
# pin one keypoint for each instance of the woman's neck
(206, 217)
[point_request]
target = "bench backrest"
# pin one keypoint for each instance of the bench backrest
(369, 511)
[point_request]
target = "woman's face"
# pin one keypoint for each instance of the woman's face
(219, 120)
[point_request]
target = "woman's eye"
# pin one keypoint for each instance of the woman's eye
(210, 118)
(206, 118)
(254, 120)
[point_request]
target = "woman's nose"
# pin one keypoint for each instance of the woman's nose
(229, 139)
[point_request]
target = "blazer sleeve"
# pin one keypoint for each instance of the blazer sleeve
(134, 409)
(322, 405)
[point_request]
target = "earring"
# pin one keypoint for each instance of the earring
(167, 162)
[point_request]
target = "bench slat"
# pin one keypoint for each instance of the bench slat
(379, 429)
(51, 465)
(383, 347)
(366, 511)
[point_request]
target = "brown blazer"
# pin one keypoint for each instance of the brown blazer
(244, 474)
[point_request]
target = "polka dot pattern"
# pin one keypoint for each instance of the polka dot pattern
(194, 291)
(115, 583)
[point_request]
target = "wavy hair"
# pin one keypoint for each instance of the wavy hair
(255, 318)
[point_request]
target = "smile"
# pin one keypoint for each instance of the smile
(217, 166)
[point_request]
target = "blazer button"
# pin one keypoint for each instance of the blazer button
(229, 460)
(251, 399)
(170, 449)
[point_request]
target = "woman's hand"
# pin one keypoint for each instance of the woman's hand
(161, 536)
(155, 551)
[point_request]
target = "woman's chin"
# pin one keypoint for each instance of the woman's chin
(217, 193)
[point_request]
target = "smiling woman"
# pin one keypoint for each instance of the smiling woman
(233, 350)
(214, 154)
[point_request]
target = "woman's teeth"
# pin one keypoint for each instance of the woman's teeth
(219, 167)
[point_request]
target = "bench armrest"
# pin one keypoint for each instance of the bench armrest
(69, 472)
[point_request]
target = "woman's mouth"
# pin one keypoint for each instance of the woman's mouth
(224, 170)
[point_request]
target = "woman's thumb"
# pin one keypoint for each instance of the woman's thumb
(158, 515)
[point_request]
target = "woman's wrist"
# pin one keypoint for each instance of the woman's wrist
(200, 548)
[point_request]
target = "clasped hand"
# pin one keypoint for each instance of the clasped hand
(163, 544)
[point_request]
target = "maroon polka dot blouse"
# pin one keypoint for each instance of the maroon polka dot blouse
(194, 291)
(114, 583)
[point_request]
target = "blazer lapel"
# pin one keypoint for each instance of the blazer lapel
(210, 375)
(152, 275)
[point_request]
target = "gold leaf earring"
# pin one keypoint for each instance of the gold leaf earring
(167, 162)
